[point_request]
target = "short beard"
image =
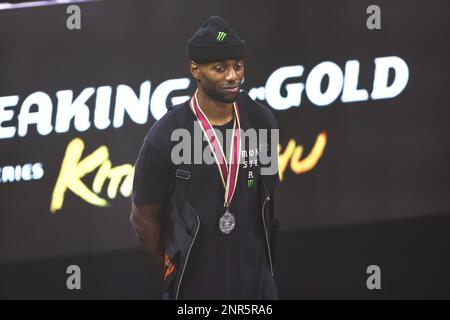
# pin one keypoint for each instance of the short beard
(213, 94)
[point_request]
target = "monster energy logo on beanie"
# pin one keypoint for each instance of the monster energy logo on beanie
(221, 35)
(215, 41)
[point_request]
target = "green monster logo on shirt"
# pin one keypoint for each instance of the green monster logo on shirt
(250, 181)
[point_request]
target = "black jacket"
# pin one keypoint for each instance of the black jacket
(181, 222)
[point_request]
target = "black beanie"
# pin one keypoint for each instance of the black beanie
(215, 41)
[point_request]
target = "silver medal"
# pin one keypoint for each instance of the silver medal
(227, 222)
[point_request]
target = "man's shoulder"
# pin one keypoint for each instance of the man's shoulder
(263, 111)
(173, 119)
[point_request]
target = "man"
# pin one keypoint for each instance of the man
(210, 226)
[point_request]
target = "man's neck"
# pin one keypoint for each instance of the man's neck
(218, 113)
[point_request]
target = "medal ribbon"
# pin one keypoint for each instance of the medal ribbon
(228, 170)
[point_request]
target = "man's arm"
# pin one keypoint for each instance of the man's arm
(147, 225)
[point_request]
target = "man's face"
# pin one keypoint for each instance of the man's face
(220, 80)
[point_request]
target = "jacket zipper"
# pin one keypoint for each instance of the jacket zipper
(265, 231)
(187, 257)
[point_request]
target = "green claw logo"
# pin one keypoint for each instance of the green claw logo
(250, 183)
(220, 36)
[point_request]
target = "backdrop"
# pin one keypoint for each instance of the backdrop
(364, 146)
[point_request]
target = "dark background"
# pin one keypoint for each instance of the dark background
(380, 193)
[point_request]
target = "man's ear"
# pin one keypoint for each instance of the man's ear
(194, 69)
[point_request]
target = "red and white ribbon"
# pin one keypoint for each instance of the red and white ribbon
(229, 170)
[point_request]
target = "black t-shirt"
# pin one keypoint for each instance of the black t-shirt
(220, 266)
